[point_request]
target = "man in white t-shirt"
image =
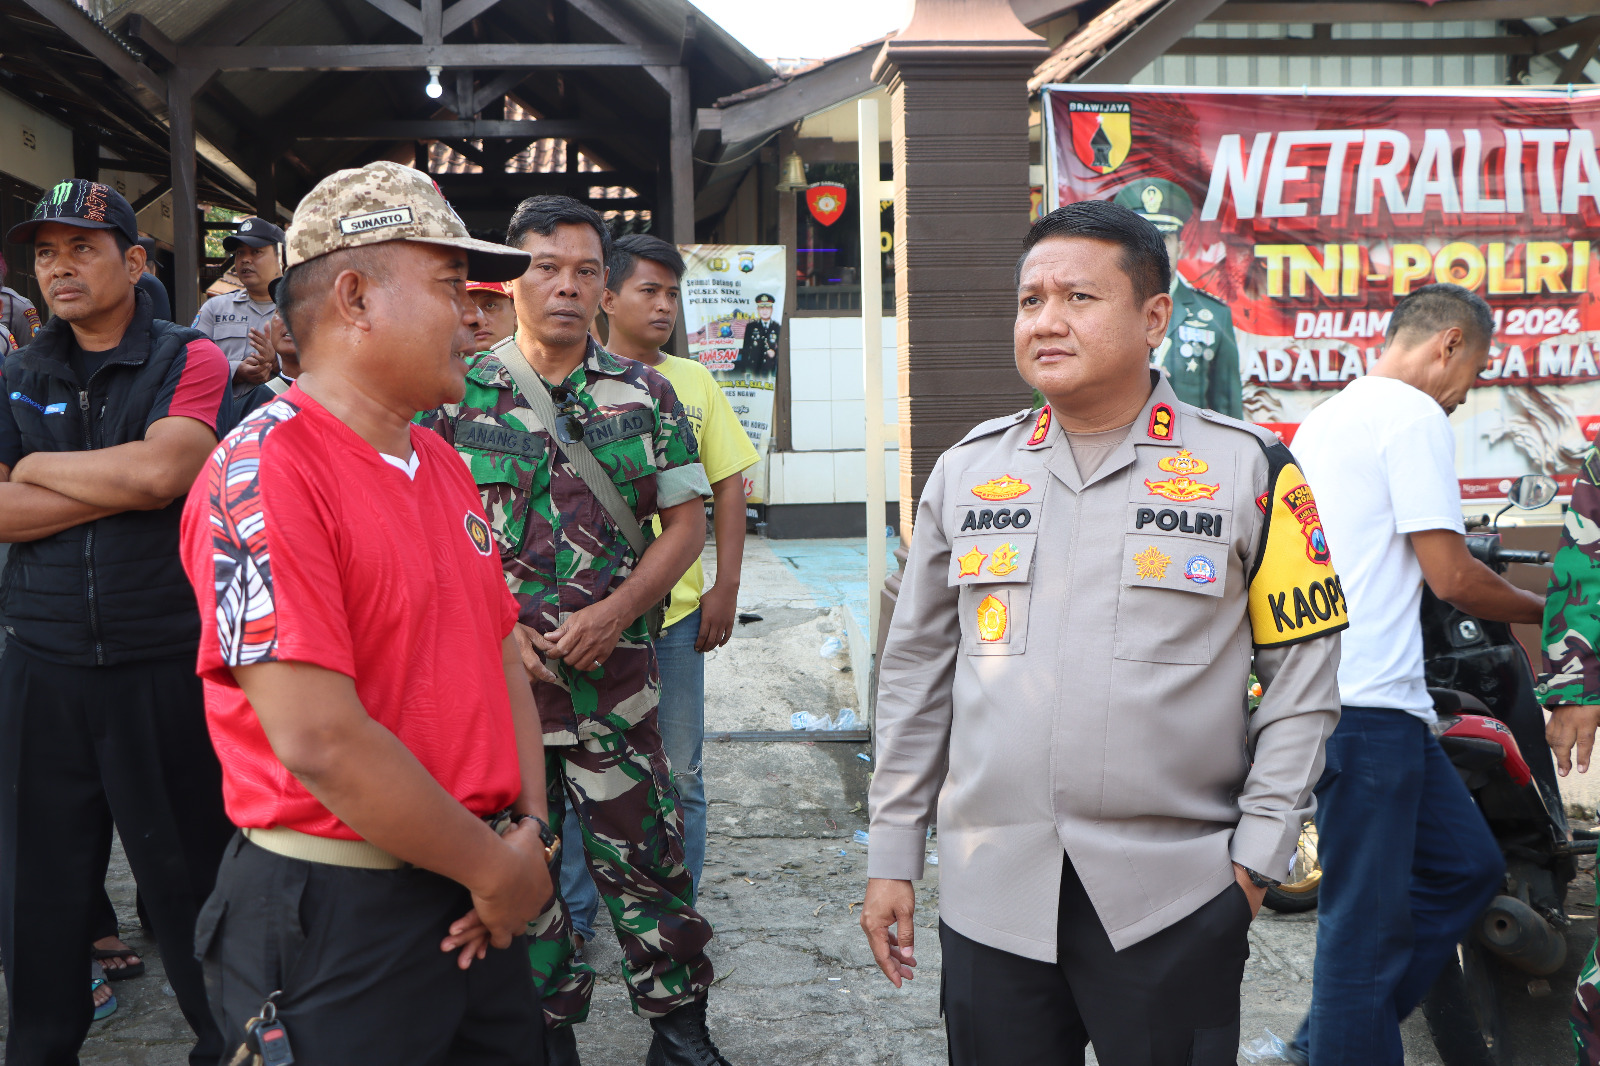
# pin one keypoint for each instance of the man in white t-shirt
(1408, 861)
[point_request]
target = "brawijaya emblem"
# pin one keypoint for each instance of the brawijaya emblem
(1182, 486)
(991, 619)
(1152, 564)
(1004, 487)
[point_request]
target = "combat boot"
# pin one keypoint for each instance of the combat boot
(561, 1047)
(682, 1039)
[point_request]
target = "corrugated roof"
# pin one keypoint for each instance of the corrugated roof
(1090, 42)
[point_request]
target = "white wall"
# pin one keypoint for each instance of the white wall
(827, 415)
(33, 146)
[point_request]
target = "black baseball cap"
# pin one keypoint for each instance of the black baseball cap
(83, 203)
(256, 232)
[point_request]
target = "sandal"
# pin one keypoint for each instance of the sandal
(97, 982)
(119, 973)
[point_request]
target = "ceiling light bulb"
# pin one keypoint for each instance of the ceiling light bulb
(434, 89)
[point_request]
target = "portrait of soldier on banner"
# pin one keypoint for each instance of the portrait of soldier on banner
(1200, 353)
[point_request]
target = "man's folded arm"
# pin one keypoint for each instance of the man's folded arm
(915, 699)
(1288, 731)
(142, 475)
(28, 512)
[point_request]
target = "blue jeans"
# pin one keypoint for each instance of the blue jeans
(682, 717)
(1408, 864)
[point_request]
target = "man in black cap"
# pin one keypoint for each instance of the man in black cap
(237, 321)
(152, 284)
(759, 353)
(106, 418)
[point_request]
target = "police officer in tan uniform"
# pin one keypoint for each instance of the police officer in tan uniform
(1064, 684)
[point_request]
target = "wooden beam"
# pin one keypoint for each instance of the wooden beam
(557, 181)
(89, 35)
(152, 194)
(1572, 33)
(418, 56)
(132, 166)
(462, 12)
(1401, 11)
(432, 21)
(1152, 38)
(1363, 46)
(814, 91)
(437, 129)
(493, 90)
(401, 12)
(141, 29)
(1572, 70)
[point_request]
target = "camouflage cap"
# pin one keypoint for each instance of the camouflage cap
(385, 201)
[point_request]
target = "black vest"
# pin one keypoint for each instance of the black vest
(111, 591)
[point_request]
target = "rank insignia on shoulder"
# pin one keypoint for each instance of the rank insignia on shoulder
(1182, 486)
(1152, 564)
(971, 563)
(1160, 422)
(1200, 570)
(1004, 561)
(991, 619)
(1041, 427)
(1004, 487)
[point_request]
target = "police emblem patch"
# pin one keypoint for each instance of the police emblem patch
(1004, 561)
(1160, 422)
(971, 563)
(1152, 564)
(1200, 570)
(1182, 486)
(991, 619)
(1304, 508)
(478, 533)
(1041, 427)
(1004, 487)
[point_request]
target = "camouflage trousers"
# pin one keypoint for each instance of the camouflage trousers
(1585, 1014)
(621, 788)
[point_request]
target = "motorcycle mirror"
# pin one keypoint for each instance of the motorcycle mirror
(1532, 491)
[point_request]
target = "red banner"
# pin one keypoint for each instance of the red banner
(1298, 221)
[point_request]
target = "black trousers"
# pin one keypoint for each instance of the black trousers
(79, 748)
(1169, 1000)
(356, 955)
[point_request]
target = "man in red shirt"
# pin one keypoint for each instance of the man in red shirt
(363, 691)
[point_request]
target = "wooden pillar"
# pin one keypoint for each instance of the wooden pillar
(788, 236)
(181, 85)
(958, 77)
(680, 157)
(266, 177)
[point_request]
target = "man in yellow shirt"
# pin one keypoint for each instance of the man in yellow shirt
(643, 276)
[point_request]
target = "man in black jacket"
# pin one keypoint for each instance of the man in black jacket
(105, 419)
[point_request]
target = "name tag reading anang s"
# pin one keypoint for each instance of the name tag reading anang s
(493, 437)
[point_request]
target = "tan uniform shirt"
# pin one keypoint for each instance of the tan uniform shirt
(1068, 665)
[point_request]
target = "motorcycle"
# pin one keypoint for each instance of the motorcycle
(1492, 727)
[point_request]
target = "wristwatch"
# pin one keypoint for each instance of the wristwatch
(1261, 880)
(552, 843)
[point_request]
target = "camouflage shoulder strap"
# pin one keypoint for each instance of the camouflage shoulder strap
(583, 461)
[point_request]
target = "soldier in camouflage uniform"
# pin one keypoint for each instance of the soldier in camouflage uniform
(1570, 687)
(564, 560)
(1200, 353)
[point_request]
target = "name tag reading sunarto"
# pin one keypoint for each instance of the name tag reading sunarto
(493, 437)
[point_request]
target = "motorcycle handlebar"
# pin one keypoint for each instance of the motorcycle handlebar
(1517, 555)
